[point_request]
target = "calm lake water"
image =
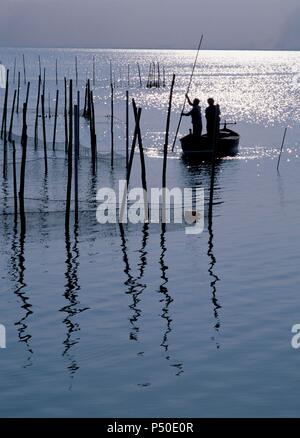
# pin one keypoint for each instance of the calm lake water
(158, 323)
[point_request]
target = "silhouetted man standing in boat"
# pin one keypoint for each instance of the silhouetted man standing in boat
(212, 114)
(195, 113)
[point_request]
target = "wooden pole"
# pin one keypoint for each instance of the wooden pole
(76, 70)
(22, 172)
(213, 169)
(15, 182)
(55, 119)
(44, 81)
(12, 117)
(78, 122)
(141, 149)
(27, 95)
(128, 75)
(188, 89)
(139, 72)
(4, 115)
(76, 148)
(15, 68)
(24, 69)
(49, 105)
(281, 149)
(36, 125)
(112, 124)
(127, 127)
(66, 116)
(164, 76)
(40, 67)
(134, 141)
(70, 157)
(18, 91)
(164, 178)
(94, 73)
(44, 133)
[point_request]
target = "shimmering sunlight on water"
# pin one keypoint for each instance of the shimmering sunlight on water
(154, 322)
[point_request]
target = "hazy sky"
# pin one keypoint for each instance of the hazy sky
(227, 24)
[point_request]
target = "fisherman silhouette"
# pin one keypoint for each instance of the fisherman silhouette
(195, 113)
(212, 114)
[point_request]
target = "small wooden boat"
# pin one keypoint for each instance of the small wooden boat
(227, 145)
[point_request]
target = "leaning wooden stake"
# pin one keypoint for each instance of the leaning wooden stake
(24, 69)
(55, 119)
(36, 124)
(44, 134)
(141, 149)
(27, 95)
(281, 149)
(94, 73)
(12, 117)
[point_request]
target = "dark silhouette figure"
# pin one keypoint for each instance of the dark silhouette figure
(195, 113)
(212, 114)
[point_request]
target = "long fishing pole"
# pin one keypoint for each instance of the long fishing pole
(188, 89)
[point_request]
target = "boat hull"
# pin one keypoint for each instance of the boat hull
(227, 145)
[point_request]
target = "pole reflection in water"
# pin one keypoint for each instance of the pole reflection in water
(18, 261)
(72, 309)
(134, 287)
(210, 253)
(166, 300)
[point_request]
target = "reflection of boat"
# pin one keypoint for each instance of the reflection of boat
(227, 144)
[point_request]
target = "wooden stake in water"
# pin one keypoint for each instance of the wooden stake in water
(76, 149)
(44, 134)
(139, 72)
(12, 117)
(4, 115)
(49, 105)
(55, 119)
(27, 95)
(15, 68)
(40, 67)
(141, 149)
(36, 125)
(70, 157)
(164, 178)
(24, 69)
(56, 72)
(281, 149)
(66, 116)
(44, 82)
(76, 70)
(18, 91)
(94, 74)
(112, 123)
(188, 89)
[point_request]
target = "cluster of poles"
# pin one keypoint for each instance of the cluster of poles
(72, 114)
